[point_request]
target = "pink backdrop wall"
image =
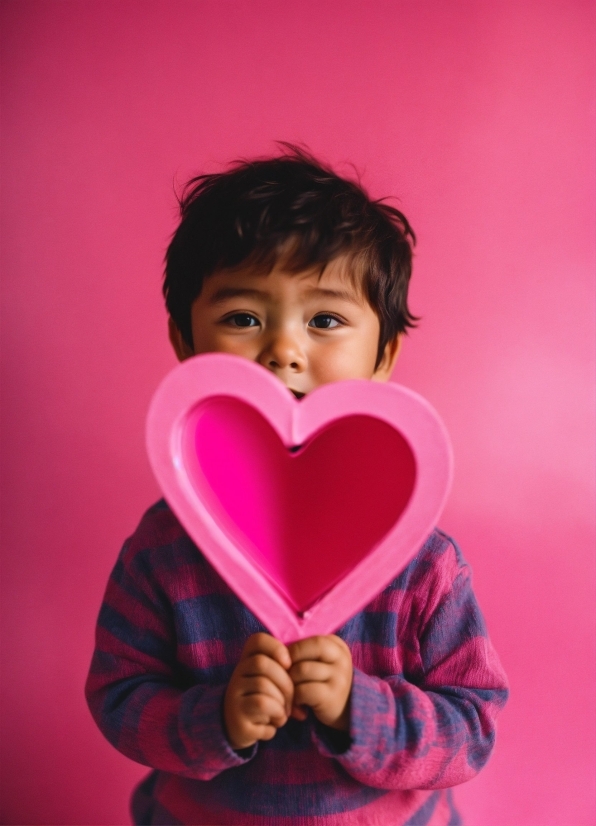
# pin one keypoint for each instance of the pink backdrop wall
(479, 117)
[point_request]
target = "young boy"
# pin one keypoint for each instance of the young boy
(283, 262)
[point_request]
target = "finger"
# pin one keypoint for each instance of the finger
(250, 686)
(323, 648)
(262, 709)
(260, 665)
(266, 732)
(307, 671)
(262, 643)
(254, 732)
(312, 695)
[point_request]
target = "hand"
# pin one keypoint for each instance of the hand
(322, 675)
(258, 699)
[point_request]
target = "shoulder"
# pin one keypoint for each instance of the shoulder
(437, 576)
(435, 572)
(438, 562)
(159, 546)
(158, 526)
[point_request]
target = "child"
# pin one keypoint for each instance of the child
(284, 263)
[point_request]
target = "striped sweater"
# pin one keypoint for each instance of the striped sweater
(426, 690)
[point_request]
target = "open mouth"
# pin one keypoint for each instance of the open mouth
(297, 393)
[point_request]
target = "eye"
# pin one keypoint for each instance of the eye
(242, 320)
(324, 321)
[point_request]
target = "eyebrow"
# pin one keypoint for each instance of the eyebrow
(221, 295)
(224, 293)
(344, 295)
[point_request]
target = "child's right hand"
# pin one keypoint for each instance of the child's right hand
(258, 699)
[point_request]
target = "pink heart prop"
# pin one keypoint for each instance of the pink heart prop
(307, 508)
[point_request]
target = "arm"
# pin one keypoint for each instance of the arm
(146, 704)
(135, 691)
(433, 726)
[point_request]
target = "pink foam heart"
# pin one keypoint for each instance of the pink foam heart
(306, 508)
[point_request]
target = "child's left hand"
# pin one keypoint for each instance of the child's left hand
(322, 675)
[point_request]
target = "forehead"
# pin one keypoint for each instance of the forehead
(340, 277)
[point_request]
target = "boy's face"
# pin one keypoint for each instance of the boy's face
(305, 328)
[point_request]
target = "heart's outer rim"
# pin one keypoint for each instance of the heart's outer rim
(216, 374)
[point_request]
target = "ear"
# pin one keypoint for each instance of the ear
(390, 354)
(182, 349)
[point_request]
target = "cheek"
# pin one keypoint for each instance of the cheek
(210, 338)
(203, 342)
(343, 361)
(223, 344)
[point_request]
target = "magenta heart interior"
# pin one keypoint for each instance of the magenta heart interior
(306, 515)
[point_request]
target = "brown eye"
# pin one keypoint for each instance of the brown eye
(242, 320)
(324, 321)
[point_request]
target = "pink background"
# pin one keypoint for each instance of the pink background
(479, 117)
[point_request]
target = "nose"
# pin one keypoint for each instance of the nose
(283, 351)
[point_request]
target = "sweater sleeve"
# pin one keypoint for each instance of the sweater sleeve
(139, 697)
(431, 725)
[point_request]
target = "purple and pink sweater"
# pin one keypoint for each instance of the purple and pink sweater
(427, 688)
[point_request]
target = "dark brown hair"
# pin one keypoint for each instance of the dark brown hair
(289, 207)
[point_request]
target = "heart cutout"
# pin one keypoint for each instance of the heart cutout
(306, 508)
(286, 508)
